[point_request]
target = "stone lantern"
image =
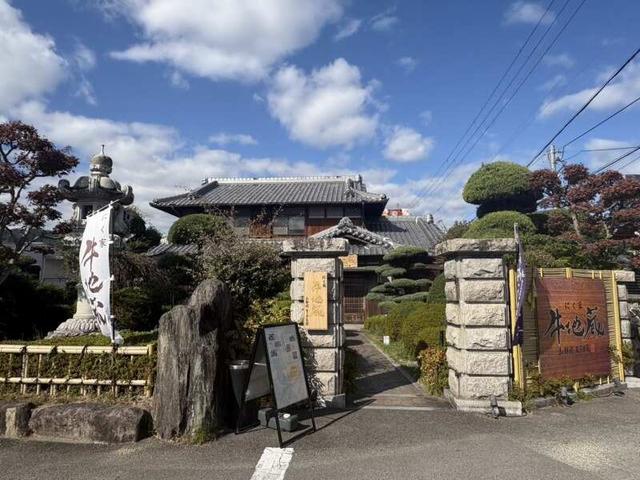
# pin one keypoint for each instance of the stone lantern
(89, 194)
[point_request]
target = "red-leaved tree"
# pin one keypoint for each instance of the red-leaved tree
(26, 203)
(599, 211)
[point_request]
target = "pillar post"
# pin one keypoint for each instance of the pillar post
(324, 349)
(478, 322)
(628, 324)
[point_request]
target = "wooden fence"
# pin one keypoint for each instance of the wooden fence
(526, 357)
(83, 370)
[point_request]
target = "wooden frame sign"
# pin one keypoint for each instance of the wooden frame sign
(316, 301)
(573, 329)
(276, 368)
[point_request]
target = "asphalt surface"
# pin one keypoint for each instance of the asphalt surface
(594, 439)
(380, 383)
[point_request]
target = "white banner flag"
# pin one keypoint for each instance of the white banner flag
(95, 273)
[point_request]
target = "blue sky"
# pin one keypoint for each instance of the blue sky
(180, 90)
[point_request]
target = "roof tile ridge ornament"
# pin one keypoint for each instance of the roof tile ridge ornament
(345, 227)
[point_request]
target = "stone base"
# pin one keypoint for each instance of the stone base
(91, 422)
(507, 408)
(632, 382)
(333, 401)
(14, 419)
(75, 327)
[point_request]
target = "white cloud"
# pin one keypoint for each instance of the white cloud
(177, 80)
(406, 145)
(349, 28)
(408, 63)
(527, 12)
(30, 65)
(223, 138)
(559, 60)
(426, 117)
(83, 57)
(385, 21)
(328, 107)
(221, 39)
(601, 155)
(554, 82)
(617, 94)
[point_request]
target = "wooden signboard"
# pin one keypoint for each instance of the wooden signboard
(350, 261)
(277, 369)
(573, 329)
(316, 301)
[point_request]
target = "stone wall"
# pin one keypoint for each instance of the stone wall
(478, 327)
(324, 350)
(628, 322)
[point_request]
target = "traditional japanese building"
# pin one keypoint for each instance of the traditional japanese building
(319, 207)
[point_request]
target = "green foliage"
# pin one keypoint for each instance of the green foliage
(385, 305)
(413, 297)
(392, 272)
(136, 308)
(500, 225)
(434, 371)
(143, 237)
(423, 284)
(250, 270)
(378, 297)
(198, 227)
(421, 326)
(29, 309)
(379, 325)
(501, 186)
(93, 340)
(405, 256)
(457, 230)
(436, 292)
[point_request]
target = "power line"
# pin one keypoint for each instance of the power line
(629, 163)
(520, 85)
(598, 150)
(616, 160)
(575, 115)
(488, 99)
(637, 99)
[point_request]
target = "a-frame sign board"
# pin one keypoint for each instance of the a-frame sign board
(276, 368)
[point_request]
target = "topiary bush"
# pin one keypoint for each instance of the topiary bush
(136, 309)
(436, 292)
(421, 326)
(501, 186)
(500, 225)
(198, 226)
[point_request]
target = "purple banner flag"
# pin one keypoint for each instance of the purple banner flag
(521, 289)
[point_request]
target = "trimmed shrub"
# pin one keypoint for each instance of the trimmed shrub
(436, 292)
(389, 271)
(413, 297)
(501, 186)
(404, 256)
(378, 325)
(198, 226)
(500, 225)
(136, 309)
(378, 297)
(423, 284)
(434, 371)
(386, 305)
(421, 327)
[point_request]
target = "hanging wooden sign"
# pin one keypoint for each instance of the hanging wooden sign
(276, 368)
(316, 301)
(573, 330)
(350, 261)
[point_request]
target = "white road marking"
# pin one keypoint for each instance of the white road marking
(273, 464)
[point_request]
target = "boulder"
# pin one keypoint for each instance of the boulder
(91, 422)
(191, 391)
(14, 418)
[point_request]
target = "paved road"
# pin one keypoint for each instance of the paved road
(598, 439)
(380, 384)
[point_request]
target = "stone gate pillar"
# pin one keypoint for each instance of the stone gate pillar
(324, 349)
(478, 325)
(628, 324)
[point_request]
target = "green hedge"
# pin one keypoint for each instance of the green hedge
(416, 325)
(500, 225)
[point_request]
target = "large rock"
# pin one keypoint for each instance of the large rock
(191, 392)
(91, 422)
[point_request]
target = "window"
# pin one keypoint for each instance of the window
(335, 212)
(296, 225)
(316, 212)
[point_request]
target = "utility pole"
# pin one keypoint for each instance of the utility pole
(554, 156)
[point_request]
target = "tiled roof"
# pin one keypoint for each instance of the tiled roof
(385, 233)
(166, 248)
(275, 191)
